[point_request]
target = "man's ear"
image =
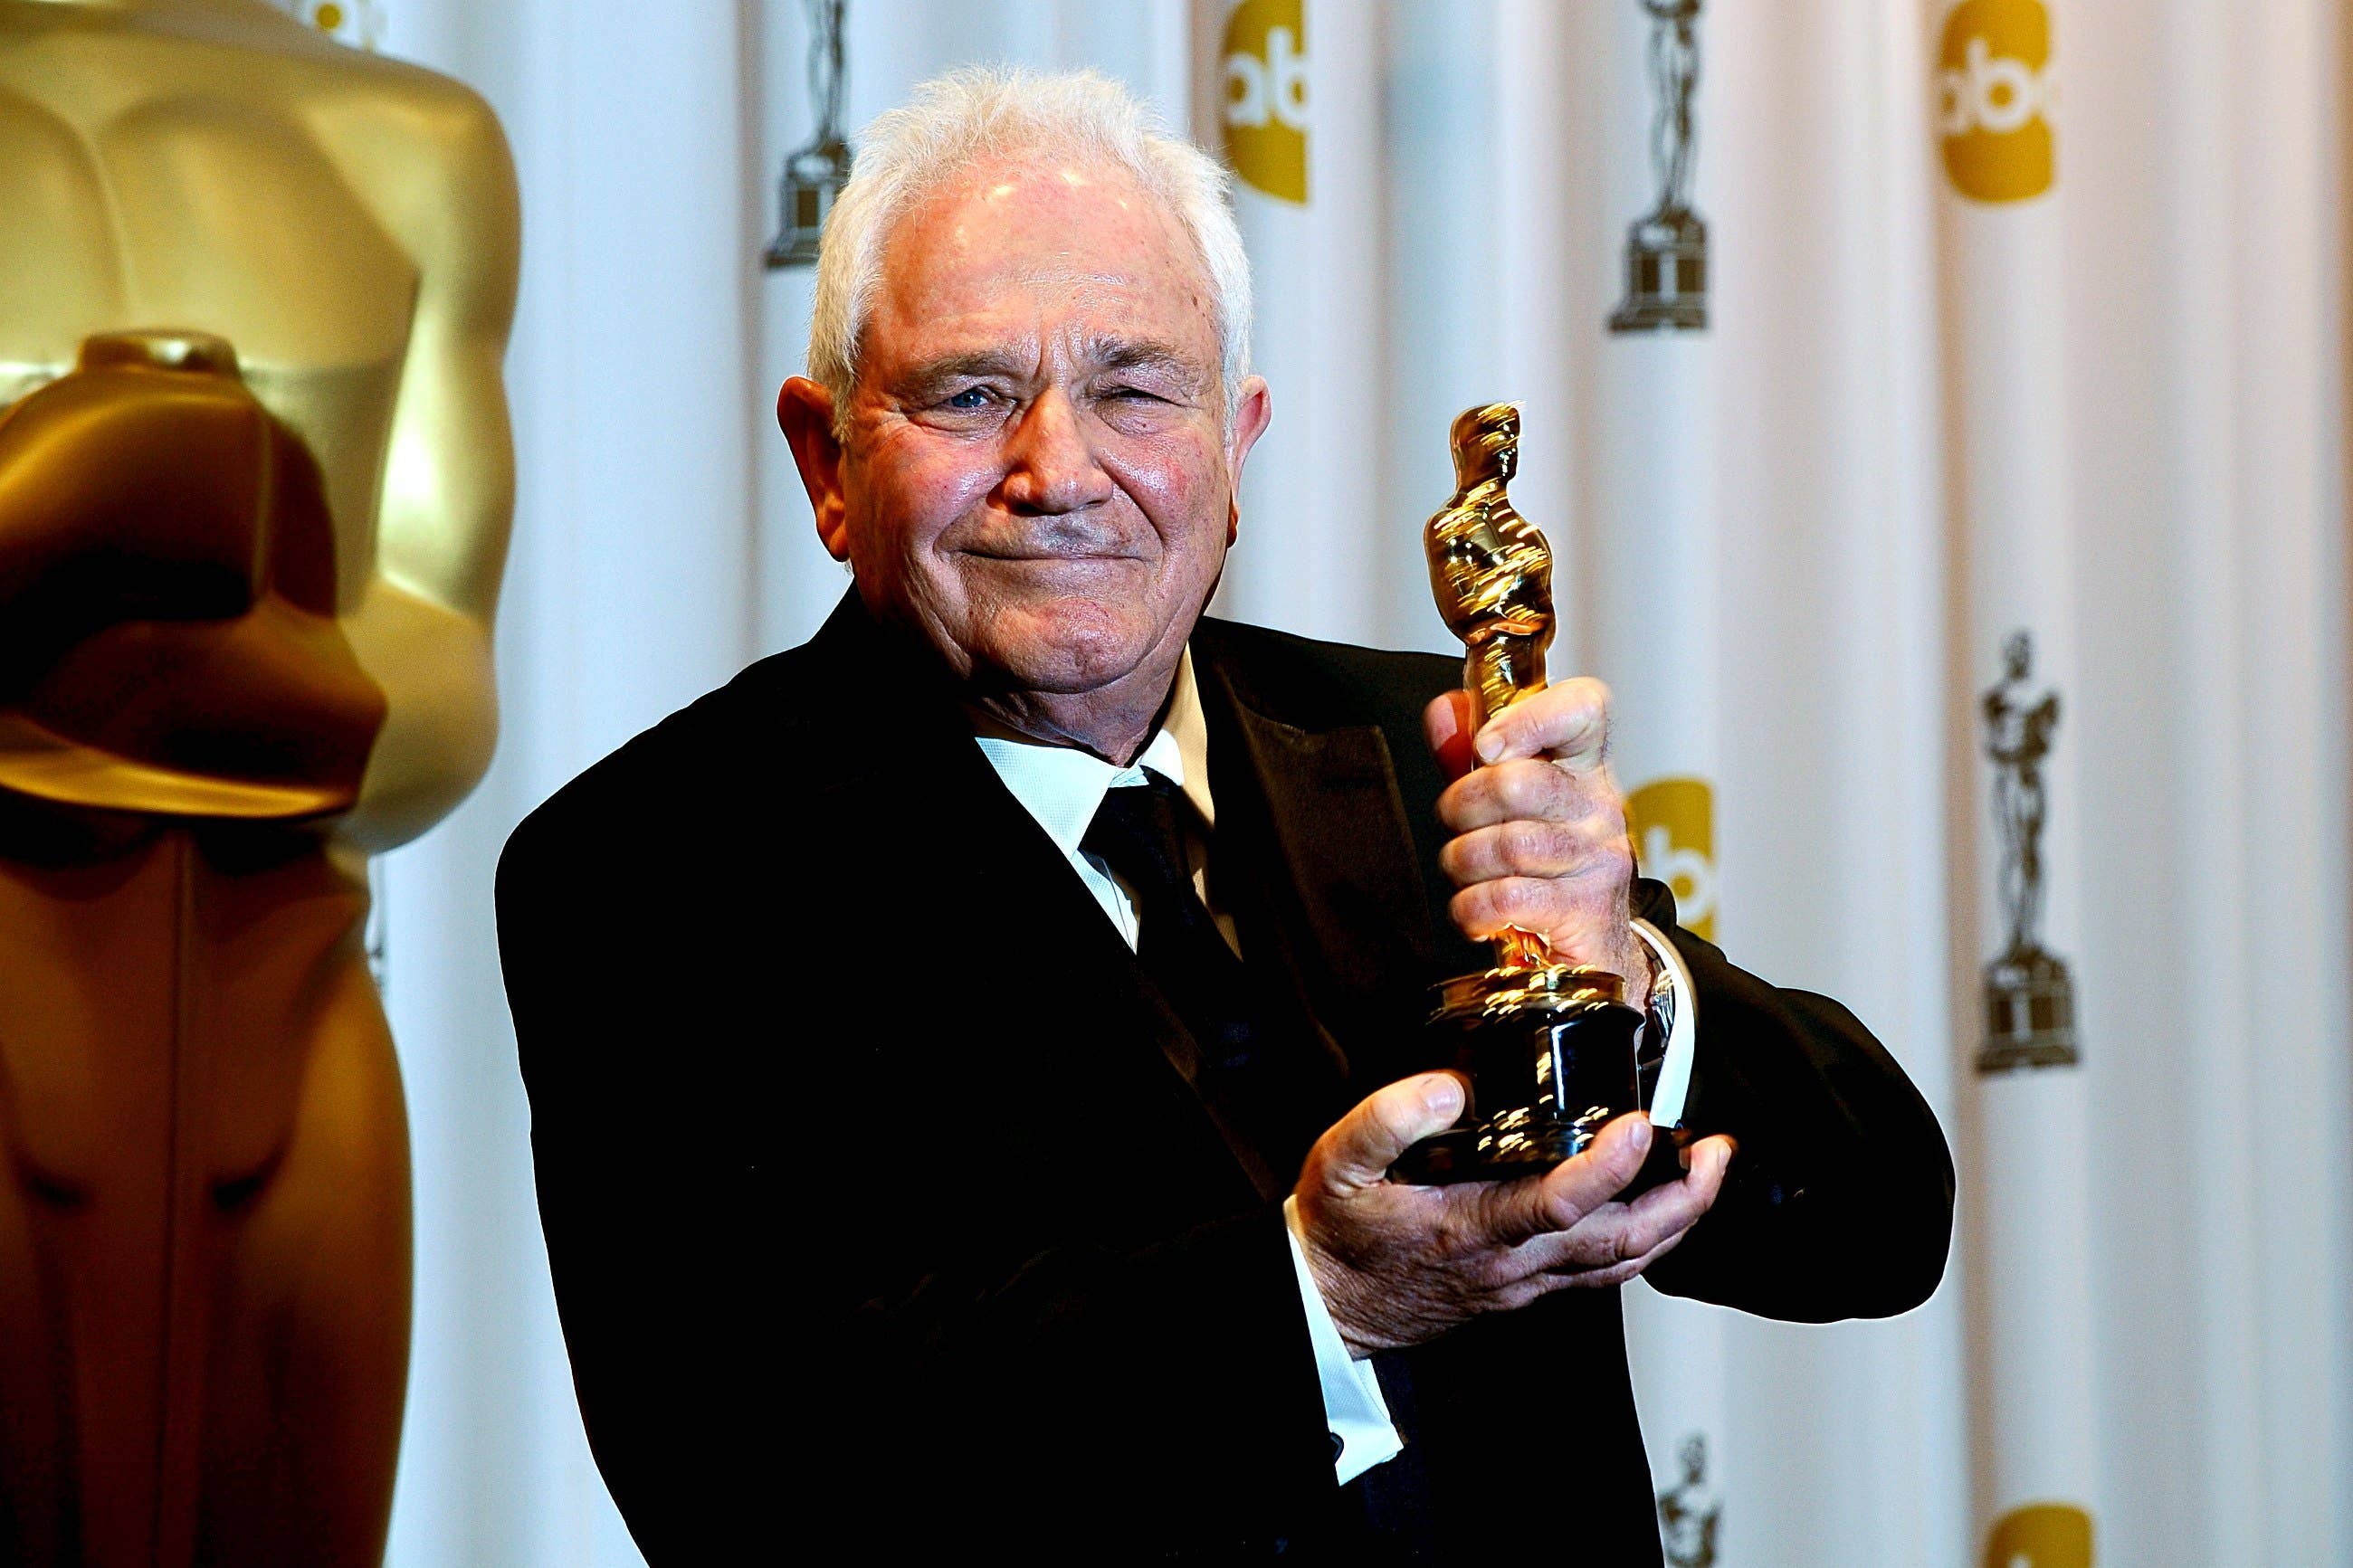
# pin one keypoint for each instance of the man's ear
(1253, 406)
(805, 414)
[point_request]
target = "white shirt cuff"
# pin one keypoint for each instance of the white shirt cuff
(1353, 1406)
(1683, 1034)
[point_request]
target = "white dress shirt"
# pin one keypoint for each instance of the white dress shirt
(1061, 787)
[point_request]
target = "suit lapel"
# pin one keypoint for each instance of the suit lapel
(1311, 818)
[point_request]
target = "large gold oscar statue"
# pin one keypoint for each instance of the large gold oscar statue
(255, 485)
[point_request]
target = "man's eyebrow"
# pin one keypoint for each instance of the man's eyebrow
(1138, 353)
(974, 365)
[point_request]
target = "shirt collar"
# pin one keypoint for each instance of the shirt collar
(1061, 786)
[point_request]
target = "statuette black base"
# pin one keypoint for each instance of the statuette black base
(1550, 1055)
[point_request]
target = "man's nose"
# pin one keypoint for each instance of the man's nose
(1050, 467)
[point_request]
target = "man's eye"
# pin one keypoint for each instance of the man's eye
(970, 399)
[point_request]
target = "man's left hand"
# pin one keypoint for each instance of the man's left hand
(1540, 827)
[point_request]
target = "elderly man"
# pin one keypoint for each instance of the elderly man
(966, 1051)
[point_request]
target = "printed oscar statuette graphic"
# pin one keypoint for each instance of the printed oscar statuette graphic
(1666, 250)
(1691, 1511)
(815, 174)
(2029, 998)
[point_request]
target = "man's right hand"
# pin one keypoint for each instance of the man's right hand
(1398, 1265)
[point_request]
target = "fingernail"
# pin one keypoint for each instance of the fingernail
(1441, 1095)
(1640, 1135)
(1489, 744)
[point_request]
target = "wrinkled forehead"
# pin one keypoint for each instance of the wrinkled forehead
(1077, 247)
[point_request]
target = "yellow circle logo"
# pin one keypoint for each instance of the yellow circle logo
(1995, 99)
(1673, 823)
(2041, 1535)
(1266, 95)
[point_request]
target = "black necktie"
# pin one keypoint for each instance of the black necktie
(1135, 832)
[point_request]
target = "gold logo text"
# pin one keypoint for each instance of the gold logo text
(1266, 95)
(1996, 98)
(1673, 823)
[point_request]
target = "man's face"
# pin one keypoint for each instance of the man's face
(1038, 477)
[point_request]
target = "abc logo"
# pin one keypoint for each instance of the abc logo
(1266, 95)
(2041, 1535)
(1995, 92)
(1673, 823)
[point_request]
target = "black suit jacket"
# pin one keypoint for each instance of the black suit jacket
(880, 1201)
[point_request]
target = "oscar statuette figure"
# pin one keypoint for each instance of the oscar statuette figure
(1548, 1047)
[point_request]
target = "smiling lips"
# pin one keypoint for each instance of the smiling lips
(1081, 560)
(1049, 555)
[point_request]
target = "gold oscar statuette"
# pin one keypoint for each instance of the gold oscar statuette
(1549, 1048)
(254, 488)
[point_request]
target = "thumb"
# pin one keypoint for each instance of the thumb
(1526, 1209)
(1359, 1148)
(1569, 722)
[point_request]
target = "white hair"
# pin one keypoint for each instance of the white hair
(985, 113)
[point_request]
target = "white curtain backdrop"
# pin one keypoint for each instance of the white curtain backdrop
(2109, 412)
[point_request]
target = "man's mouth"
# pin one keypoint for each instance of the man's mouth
(1055, 557)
